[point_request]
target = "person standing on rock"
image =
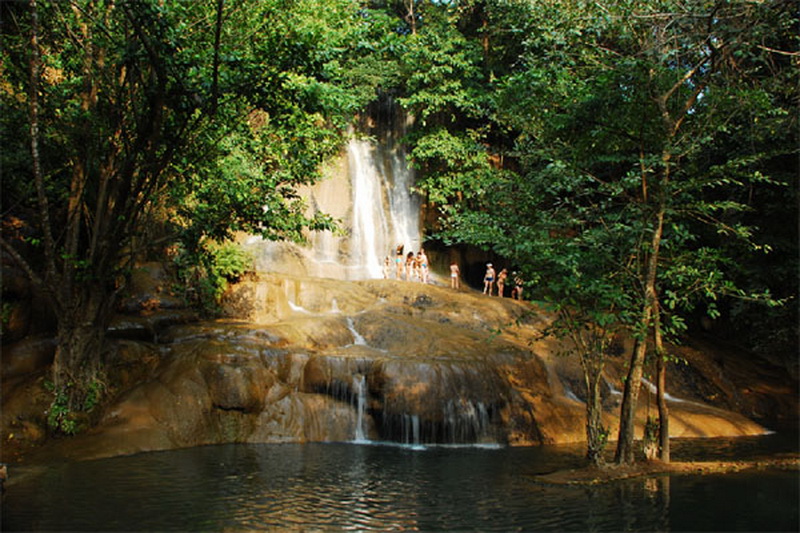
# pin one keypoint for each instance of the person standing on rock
(488, 279)
(417, 268)
(455, 282)
(386, 267)
(516, 292)
(501, 282)
(398, 260)
(409, 265)
(423, 266)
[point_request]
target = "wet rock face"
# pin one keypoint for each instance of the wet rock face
(237, 387)
(27, 356)
(319, 360)
(25, 311)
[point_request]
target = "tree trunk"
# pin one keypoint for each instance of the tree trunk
(77, 372)
(630, 396)
(595, 432)
(77, 359)
(411, 17)
(38, 176)
(661, 388)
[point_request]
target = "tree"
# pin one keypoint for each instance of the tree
(618, 112)
(635, 98)
(691, 56)
(137, 109)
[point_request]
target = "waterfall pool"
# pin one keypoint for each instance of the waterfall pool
(383, 487)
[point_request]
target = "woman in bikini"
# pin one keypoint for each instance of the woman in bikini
(423, 266)
(398, 260)
(516, 293)
(454, 273)
(501, 282)
(409, 265)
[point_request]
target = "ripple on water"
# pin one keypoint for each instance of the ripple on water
(385, 488)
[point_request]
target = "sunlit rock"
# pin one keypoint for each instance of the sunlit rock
(388, 361)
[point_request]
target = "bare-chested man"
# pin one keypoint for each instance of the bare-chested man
(488, 279)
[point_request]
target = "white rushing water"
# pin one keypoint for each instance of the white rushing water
(369, 225)
(369, 191)
(358, 339)
(385, 212)
(360, 398)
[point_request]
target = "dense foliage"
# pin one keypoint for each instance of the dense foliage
(133, 126)
(637, 160)
(629, 156)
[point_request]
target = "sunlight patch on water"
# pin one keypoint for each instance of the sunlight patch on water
(380, 486)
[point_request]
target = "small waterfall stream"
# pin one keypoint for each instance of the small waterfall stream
(462, 422)
(358, 339)
(360, 398)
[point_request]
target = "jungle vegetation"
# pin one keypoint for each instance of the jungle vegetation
(638, 160)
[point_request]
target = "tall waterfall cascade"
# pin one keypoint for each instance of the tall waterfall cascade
(369, 190)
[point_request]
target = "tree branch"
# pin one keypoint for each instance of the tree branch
(35, 279)
(43, 204)
(215, 74)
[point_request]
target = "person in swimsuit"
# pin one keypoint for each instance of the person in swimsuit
(455, 282)
(409, 265)
(423, 266)
(516, 293)
(488, 279)
(501, 282)
(398, 260)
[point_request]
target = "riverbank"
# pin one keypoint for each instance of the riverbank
(610, 472)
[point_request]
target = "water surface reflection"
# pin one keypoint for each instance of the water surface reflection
(383, 488)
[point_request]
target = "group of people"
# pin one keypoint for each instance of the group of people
(415, 267)
(408, 266)
(492, 278)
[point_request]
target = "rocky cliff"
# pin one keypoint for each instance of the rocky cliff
(307, 359)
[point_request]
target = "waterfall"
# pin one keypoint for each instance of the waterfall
(358, 339)
(466, 421)
(385, 211)
(360, 399)
(403, 205)
(369, 225)
(410, 430)
(463, 422)
(667, 396)
(369, 190)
